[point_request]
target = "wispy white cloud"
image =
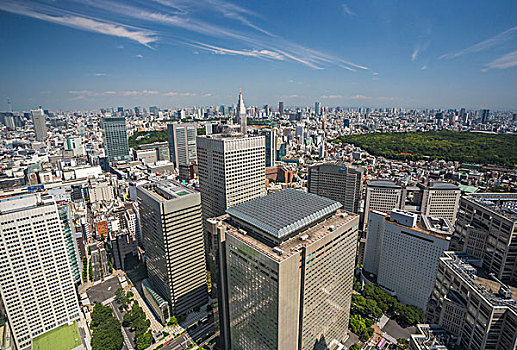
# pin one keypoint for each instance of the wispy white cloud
(415, 54)
(181, 94)
(330, 97)
(90, 93)
(143, 37)
(424, 67)
(101, 74)
(139, 55)
(191, 26)
(506, 61)
(484, 45)
(347, 10)
(361, 97)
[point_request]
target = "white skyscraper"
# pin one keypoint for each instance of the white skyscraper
(403, 254)
(241, 112)
(36, 283)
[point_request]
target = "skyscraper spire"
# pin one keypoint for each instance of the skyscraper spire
(241, 112)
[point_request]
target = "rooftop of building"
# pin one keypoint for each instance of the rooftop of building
(442, 186)
(290, 246)
(486, 285)
(166, 190)
(284, 212)
(383, 184)
(431, 337)
(420, 227)
(504, 204)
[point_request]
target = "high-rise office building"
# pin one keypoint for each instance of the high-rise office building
(402, 254)
(317, 108)
(289, 274)
(172, 233)
(439, 199)
(242, 115)
(281, 108)
(36, 282)
(39, 119)
(383, 196)
(71, 237)
(231, 171)
(473, 305)
(486, 228)
(484, 114)
(270, 138)
(115, 138)
(338, 181)
(182, 143)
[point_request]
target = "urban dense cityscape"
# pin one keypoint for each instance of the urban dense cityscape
(343, 222)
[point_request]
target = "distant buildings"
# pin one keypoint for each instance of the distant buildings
(36, 283)
(317, 108)
(115, 138)
(403, 255)
(281, 108)
(172, 234)
(338, 181)
(182, 143)
(472, 305)
(289, 273)
(39, 120)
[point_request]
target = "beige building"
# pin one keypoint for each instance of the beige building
(172, 234)
(440, 200)
(288, 271)
(383, 196)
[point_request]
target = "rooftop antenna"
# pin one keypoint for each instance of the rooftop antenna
(9, 105)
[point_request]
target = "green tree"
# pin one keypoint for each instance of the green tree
(402, 344)
(143, 341)
(121, 297)
(172, 321)
(90, 270)
(106, 332)
(355, 347)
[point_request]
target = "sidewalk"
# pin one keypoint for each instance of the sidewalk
(155, 325)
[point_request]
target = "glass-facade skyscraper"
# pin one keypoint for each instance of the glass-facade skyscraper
(115, 138)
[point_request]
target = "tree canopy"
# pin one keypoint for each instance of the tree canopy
(484, 148)
(106, 333)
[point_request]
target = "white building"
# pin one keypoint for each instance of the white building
(36, 283)
(403, 255)
(383, 196)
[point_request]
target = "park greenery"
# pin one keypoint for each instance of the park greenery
(122, 298)
(137, 321)
(372, 303)
(147, 137)
(106, 333)
(90, 270)
(85, 268)
(402, 344)
(483, 148)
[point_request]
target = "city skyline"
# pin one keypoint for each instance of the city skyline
(87, 55)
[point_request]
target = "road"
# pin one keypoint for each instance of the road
(202, 332)
(128, 345)
(180, 343)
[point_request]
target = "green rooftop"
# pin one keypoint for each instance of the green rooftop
(62, 338)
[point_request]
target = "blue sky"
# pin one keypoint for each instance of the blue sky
(80, 54)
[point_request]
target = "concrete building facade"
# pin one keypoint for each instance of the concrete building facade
(289, 261)
(402, 255)
(338, 181)
(36, 283)
(182, 143)
(115, 138)
(383, 196)
(172, 234)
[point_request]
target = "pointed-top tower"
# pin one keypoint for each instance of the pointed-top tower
(241, 112)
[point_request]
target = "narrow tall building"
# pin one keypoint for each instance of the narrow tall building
(115, 138)
(231, 171)
(289, 271)
(182, 143)
(172, 233)
(242, 115)
(36, 281)
(402, 254)
(338, 181)
(383, 196)
(39, 119)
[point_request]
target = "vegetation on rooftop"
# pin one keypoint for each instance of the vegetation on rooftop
(484, 148)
